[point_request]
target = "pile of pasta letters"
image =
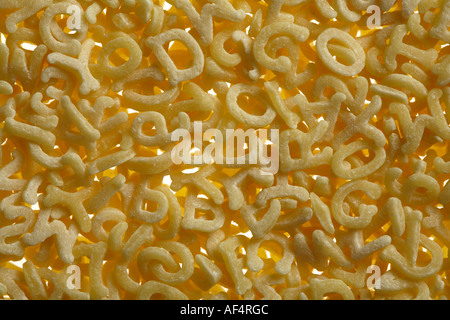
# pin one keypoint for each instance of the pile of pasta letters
(93, 207)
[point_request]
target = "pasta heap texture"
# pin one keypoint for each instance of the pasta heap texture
(93, 205)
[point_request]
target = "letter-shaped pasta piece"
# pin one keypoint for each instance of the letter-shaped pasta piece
(227, 249)
(5, 88)
(209, 273)
(353, 279)
(78, 66)
(31, 133)
(27, 9)
(173, 214)
(413, 226)
(220, 54)
(407, 83)
(366, 212)
(75, 116)
(282, 266)
(261, 227)
(194, 204)
(12, 212)
(96, 253)
(143, 192)
(238, 113)
(162, 136)
(109, 161)
(233, 185)
(115, 238)
(264, 285)
(8, 170)
(73, 201)
(281, 64)
(396, 215)
(152, 287)
(439, 29)
(321, 287)
(398, 47)
(325, 247)
(9, 279)
(151, 165)
(408, 191)
(203, 22)
(143, 235)
(34, 281)
(414, 130)
(291, 118)
(322, 212)
(121, 275)
(71, 47)
(198, 179)
(354, 101)
(161, 253)
(338, 160)
(106, 214)
(360, 250)
(245, 45)
(43, 229)
(144, 102)
(175, 75)
(18, 64)
(354, 66)
(399, 263)
(52, 72)
(117, 72)
(305, 142)
(434, 221)
(102, 197)
(360, 123)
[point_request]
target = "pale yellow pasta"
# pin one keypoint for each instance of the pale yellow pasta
(358, 53)
(175, 75)
(224, 149)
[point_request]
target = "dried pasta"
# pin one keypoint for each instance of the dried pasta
(115, 182)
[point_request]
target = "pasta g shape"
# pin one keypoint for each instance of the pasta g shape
(224, 149)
